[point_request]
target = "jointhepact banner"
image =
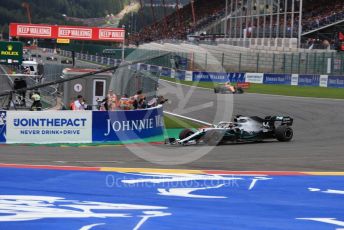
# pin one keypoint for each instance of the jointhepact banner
(49, 127)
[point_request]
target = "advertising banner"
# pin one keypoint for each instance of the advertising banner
(11, 52)
(154, 69)
(218, 77)
(127, 125)
(188, 76)
(323, 80)
(66, 32)
(180, 74)
(2, 126)
(165, 72)
(143, 67)
(256, 78)
(294, 79)
(309, 80)
(335, 81)
(277, 79)
(49, 127)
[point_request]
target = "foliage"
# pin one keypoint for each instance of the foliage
(50, 12)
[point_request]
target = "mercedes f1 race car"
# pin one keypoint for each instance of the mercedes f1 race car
(241, 130)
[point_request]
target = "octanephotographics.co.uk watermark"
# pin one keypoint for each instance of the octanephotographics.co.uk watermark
(112, 181)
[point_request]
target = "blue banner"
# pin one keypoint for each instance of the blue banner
(180, 74)
(2, 126)
(335, 81)
(154, 69)
(309, 80)
(143, 67)
(165, 72)
(218, 77)
(127, 125)
(277, 79)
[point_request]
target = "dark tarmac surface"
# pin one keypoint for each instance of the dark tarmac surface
(317, 144)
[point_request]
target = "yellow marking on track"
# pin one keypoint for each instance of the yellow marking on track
(151, 170)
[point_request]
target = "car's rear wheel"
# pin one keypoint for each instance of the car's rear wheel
(239, 90)
(284, 133)
(185, 133)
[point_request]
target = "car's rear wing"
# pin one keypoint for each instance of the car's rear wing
(285, 120)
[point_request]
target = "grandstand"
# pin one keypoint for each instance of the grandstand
(251, 35)
(249, 20)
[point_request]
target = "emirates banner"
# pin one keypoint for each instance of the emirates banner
(67, 32)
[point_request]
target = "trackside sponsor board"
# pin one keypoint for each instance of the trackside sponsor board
(2, 126)
(49, 127)
(335, 81)
(188, 76)
(165, 72)
(323, 80)
(309, 80)
(180, 75)
(254, 78)
(127, 125)
(277, 79)
(294, 79)
(218, 77)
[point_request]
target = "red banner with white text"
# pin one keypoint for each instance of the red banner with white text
(70, 32)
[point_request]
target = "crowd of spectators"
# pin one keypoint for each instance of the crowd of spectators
(321, 12)
(316, 13)
(112, 102)
(180, 23)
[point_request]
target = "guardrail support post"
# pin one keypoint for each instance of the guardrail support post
(239, 66)
(273, 62)
(257, 67)
(306, 71)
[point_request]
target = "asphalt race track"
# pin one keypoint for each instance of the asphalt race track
(317, 143)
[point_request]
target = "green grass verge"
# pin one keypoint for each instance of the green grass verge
(172, 122)
(285, 90)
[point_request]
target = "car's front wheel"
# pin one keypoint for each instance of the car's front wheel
(185, 133)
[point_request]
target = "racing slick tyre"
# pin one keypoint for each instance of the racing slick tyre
(213, 138)
(239, 90)
(284, 133)
(185, 133)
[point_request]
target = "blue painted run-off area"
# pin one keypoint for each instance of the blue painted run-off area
(52, 199)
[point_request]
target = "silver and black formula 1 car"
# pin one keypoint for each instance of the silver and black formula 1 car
(223, 88)
(240, 130)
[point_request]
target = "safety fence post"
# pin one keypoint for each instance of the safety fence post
(257, 67)
(284, 63)
(222, 62)
(239, 67)
(292, 63)
(299, 64)
(273, 62)
(206, 61)
(306, 71)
